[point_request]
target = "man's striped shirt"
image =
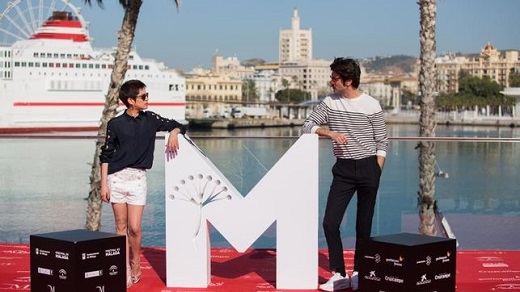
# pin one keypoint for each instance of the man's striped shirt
(361, 119)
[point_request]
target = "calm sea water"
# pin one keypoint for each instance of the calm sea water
(44, 183)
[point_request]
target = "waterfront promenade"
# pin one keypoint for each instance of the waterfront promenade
(454, 118)
(405, 117)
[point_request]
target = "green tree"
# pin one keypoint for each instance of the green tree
(514, 79)
(285, 83)
(408, 96)
(427, 84)
(249, 92)
(481, 87)
(292, 96)
(475, 91)
(124, 45)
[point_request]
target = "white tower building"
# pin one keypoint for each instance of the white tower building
(295, 44)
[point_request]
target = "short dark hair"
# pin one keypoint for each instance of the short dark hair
(130, 89)
(348, 69)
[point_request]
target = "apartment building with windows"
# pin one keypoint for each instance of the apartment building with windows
(267, 83)
(205, 89)
(297, 66)
(490, 62)
(312, 76)
(295, 44)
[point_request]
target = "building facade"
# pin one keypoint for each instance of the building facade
(295, 44)
(312, 76)
(209, 91)
(267, 83)
(231, 66)
(490, 62)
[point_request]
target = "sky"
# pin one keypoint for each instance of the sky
(250, 28)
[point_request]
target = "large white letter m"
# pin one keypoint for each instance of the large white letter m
(197, 192)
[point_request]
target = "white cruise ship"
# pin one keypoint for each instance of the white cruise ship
(54, 80)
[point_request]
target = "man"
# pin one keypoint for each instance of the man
(357, 129)
(125, 157)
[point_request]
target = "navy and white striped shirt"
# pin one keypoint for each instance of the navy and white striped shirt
(361, 119)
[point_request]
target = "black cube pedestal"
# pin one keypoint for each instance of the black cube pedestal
(407, 262)
(78, 260)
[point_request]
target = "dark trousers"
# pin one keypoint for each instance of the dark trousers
(350, 176)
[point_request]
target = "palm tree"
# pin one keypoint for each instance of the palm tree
(426, 200)
(125, 40)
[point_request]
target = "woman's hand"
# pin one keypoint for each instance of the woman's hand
(105, 193)
(173, 143)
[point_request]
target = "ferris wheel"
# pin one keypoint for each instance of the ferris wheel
(21, 18)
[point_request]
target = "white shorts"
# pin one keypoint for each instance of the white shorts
(128, 186)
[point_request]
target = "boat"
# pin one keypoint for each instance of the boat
(202, 123)
(53, 79)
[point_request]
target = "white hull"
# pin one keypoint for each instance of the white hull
(51, 82)
(32, 103)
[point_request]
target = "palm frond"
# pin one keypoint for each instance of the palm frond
(99, 2)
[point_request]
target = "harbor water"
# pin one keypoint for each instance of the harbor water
(44, 182)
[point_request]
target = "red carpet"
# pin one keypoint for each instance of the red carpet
(255, 270)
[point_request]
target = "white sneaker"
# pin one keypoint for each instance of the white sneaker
(354, 281)
(336, 282)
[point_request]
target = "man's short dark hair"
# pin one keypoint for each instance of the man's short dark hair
(130, 89)
(348, 69)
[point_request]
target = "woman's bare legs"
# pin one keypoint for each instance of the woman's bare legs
(128, 222)
(121, 219)
(135, 216)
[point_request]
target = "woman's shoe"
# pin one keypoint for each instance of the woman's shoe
(136, 276)
(129, 277)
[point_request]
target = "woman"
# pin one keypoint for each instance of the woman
(125, 157)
